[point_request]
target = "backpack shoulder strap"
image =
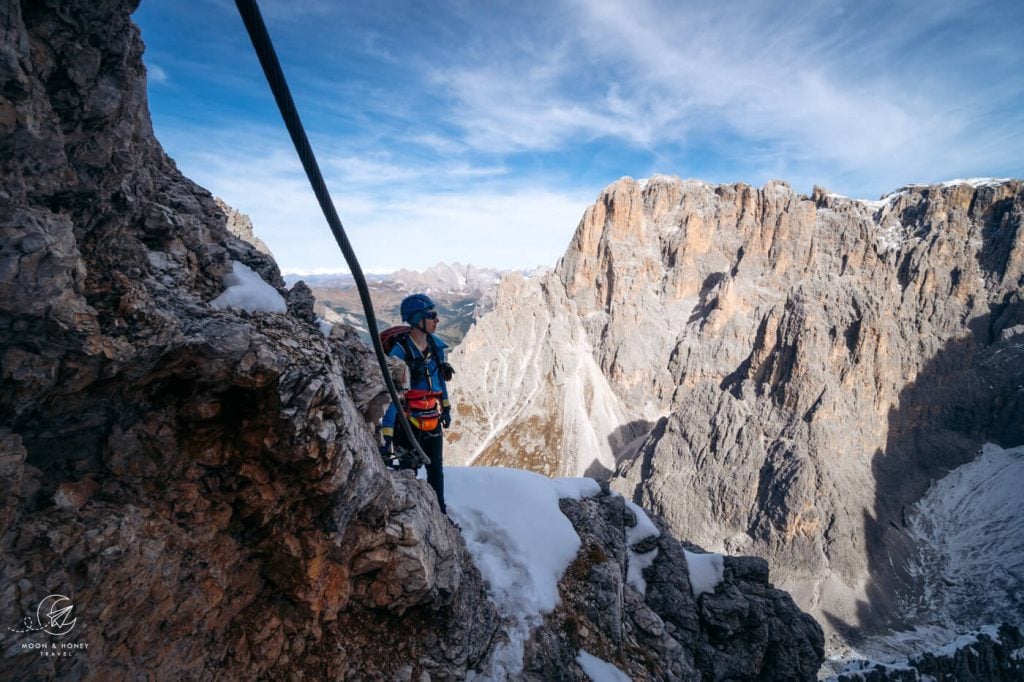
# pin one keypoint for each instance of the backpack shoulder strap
(405, 341)
(435, 348)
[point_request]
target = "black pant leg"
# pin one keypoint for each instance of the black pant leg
(433, 445)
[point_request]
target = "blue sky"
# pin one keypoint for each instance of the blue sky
(480, 131)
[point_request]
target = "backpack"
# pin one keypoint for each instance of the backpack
(417, 366)
(390, 336)
(400, 336)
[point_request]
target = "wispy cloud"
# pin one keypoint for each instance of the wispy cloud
(394, 213)
(156, 74)
(490, 126)
(863, 91)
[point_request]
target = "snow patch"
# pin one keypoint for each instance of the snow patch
(575, 488)
(874, 205)
(967, 528)
(644, 527)
(973, 182)
(880, 654)
(246, 290)
(520, 541)
(861, 668)
(976, 182)
(325, 326)
(969, 639)
(706, 571)
(599, 670)
(891, 237)
(637, 564)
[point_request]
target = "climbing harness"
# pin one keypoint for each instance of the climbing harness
(423, 408)
(251, 17)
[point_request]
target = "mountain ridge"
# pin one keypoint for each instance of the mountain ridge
(462, 293)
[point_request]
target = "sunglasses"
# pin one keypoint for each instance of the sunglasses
(432, 315)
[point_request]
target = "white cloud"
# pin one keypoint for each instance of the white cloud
(393, 214)
(156, 74)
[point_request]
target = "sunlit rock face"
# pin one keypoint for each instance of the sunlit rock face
(776, 374)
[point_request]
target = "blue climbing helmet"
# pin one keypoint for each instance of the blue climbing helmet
(414, 306)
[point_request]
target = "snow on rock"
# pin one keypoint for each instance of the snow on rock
(635, 573)
(575, 488)
(899, 654)
(960, 642)
(862, 669)
(246, 290)
(976, 182)
(644, 527)
(706, 571)
(968, 530)
(519, 539)
(599, 670)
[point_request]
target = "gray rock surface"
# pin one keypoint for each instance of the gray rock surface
(772, 373)
(744, 630)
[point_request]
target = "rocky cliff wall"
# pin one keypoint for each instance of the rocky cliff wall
(201, 484)
(802, 367)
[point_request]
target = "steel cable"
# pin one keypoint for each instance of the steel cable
(261, 42)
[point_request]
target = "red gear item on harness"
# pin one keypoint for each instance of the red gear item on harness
(423, 408)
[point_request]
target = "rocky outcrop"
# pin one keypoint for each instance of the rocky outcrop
(202, 485)
(530, 393)
(779, 374)
(743, 630)
(240, 225)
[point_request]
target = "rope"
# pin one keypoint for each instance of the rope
(275, 78)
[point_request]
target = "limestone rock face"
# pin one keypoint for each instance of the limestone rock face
(784, 374)
(240, 225)
(202, 485)
(530, 392)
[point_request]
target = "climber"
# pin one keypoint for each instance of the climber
(426, 402)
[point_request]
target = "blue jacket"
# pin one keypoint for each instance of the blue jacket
(431, 381)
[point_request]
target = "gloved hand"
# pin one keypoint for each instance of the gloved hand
(388, 449)
(446, 417)
(447, 371)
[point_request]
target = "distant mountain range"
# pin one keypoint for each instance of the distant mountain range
(462, 293)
